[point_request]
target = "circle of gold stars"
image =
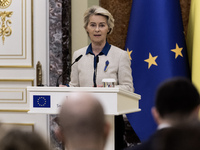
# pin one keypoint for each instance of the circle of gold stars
(5, 3)
(38, 101)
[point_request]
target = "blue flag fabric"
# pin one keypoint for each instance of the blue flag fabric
(156, 44)
(41, 101)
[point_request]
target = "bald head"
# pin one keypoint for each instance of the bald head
(82, 118)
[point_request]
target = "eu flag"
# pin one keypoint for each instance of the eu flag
(156, 46)
(41, 101)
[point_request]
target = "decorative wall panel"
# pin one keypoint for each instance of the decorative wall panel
(16, 33)
(13, 94)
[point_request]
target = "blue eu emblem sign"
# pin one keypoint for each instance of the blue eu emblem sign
(42, 101)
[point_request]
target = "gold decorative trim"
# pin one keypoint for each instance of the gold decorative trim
(20, 124)
(25, 31)
(5, 3)
(18, 80)
(32, 34)
(15, 110)
(29, 66)
(5, 29)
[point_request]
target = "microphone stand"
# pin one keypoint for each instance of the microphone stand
(76, 60)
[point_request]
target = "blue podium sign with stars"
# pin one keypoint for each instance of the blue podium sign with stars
(156, 46)
(43, 101)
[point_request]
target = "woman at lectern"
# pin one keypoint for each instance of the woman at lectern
(100, 60)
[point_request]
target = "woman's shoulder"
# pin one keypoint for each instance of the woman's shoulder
(116, 49)
(81, 50)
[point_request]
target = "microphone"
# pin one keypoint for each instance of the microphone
(95, 71)
(76, 60)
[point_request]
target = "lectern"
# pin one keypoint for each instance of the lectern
(115, 101)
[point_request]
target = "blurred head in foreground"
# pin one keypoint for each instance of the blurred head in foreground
(82, 123)
(21, 140)
(177, 100)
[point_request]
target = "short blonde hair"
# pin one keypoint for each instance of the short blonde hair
(97, 10)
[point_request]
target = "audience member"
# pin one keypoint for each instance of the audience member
(177, 101)
(20, 140)
(184, 136)
(82, 123)
(2, 131)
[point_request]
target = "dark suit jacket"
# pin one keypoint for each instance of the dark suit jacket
(151, 143)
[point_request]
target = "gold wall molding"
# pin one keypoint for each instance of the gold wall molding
(18, 104)
(8, 110)
(5, 3)
(21, 126)
(18, 80)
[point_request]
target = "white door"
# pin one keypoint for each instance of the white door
(23, 42)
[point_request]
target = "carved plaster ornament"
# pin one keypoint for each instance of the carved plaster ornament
(5, 29)
(5, 3)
